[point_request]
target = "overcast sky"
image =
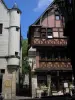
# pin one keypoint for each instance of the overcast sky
(31, 10)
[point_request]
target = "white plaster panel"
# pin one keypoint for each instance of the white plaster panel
(4, 19)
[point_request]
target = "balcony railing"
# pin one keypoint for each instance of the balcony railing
(55, 59)
(55, 65)
(49, 42)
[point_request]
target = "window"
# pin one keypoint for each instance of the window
(42, 55)
(57, 17)
(2, 71)
(49, 55)
(61, 34)
(18, 12)
(49, 33)
(43, 32)
(54, 83)
(43, 35)
(55, 34)
(37, 32)
(16, 53)
(56, 54)
(17, 29)
(1, 25)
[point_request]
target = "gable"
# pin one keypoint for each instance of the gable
(3, 11)
(43, 14)
(1, 1)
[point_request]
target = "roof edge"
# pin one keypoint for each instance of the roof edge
(4, 3)
(43, 13)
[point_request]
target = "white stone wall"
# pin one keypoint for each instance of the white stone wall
(9, 44)
(4, 18)
(14, 18)
(14, 37)
(34, 85)
(14, 44)
(3, 63)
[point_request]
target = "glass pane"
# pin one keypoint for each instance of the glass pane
(42, 55)
(55, 34)
(61, 34)
(49, 55)
(49, 36)
(36, 34)
(42, 80)
(57, 17)
(0, 28)
(49, 30)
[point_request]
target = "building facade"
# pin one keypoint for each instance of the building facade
(10, 47)
(48, 55)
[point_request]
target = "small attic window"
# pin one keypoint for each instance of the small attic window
(17, 29)
(57, 17)
(16, 53)
(17, 11)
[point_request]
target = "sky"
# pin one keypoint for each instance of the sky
(31, 10)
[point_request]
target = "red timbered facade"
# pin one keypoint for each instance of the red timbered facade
(48, 52)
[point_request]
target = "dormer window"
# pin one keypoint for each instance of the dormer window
(57, 17)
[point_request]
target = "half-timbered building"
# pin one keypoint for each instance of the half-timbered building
(48, 55)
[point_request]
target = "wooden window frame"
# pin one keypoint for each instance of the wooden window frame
(43, 33)
(35, 30)
(49, 32)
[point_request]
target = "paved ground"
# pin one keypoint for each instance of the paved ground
(22, 98)
(46, 98)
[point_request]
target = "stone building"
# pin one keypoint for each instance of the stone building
(10, 49)
(49, 61)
